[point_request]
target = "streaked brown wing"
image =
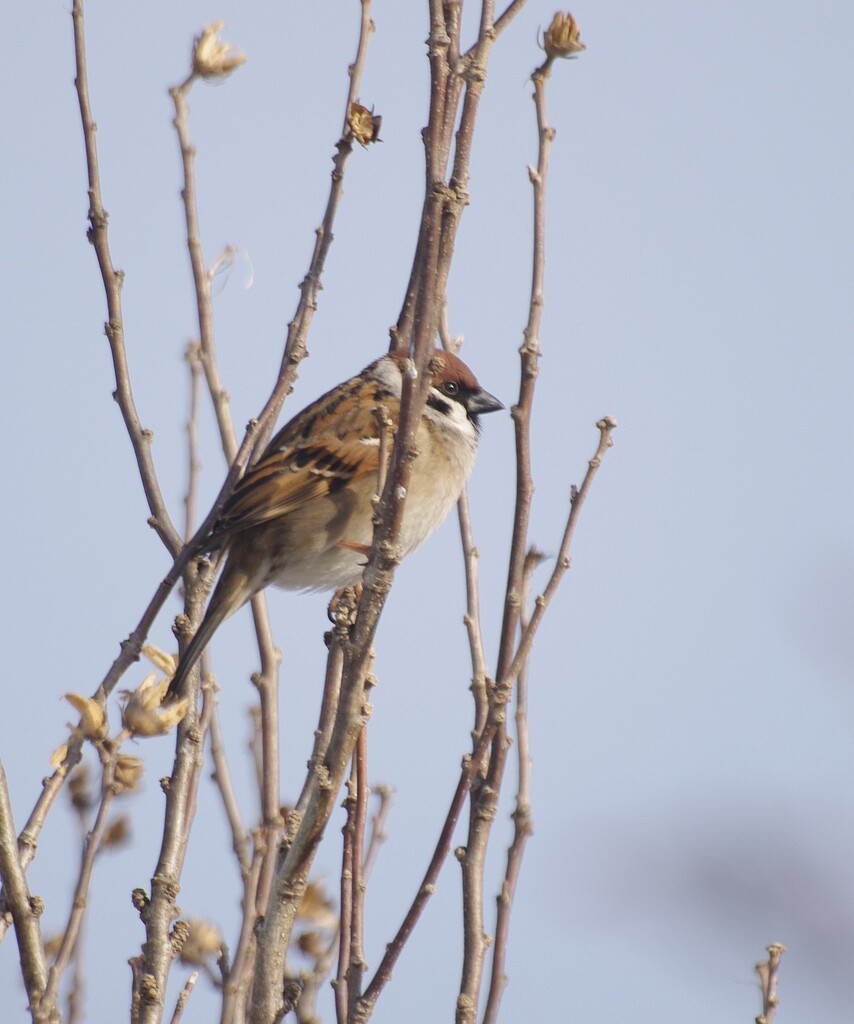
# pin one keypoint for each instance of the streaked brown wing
(303, 464)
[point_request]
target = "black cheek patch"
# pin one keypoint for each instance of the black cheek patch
(439, 404)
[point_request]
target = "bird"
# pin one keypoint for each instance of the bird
(301, 517)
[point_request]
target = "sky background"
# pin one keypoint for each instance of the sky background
(691, 708)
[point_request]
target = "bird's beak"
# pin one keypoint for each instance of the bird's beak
(481, 401)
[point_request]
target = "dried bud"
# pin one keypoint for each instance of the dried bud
(127, 774)
(203, 941)
(178, 936)
(167, 663)
(364, 125)
(142, 715)
(78, 789)
(316, 907)
(313, 944)
(93, 720)
(117, 833)
(213, 58)
(59, 755)
(562, 37)
(139, 898)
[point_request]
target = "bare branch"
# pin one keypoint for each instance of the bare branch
(24, 909)
(113, 279)
(183, 996)
(81, 889)
(345, 923)
(767, 971)
(523, 824)
(222, 778)
(298, 327)
(606, 426)
(356, 963)
(472, 618)
(428, 884)
(236, 986)
(201, 276)
(193, 465)
(485, 795)
(267, 679)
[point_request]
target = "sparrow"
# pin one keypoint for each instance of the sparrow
(301, 518)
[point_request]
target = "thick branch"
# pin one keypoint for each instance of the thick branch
(21, 906)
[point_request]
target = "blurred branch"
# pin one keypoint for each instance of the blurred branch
(193, 465)
(222, 779)
(767, 971)
(79, 901)
(236, 985)
(183, 996)
(25, 909)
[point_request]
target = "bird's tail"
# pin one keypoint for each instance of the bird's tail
(232, 591)
(213, 618)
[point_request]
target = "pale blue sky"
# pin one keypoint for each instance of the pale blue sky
(692, 710)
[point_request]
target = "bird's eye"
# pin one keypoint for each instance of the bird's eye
(450, 387)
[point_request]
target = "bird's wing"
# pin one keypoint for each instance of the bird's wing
(304, 463)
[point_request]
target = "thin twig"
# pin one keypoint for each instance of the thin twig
(472, 617)
(356, 958)
(291, 878)
(485, 797)
(236, 986)
(310, 285)
(81, 889)
(183, 996)
(193, 464)
(140, 439)
(428, 884)
(113, 279)
(416, 329)
(345, 922)
(523, 824)
(517, 579)
(80, 800)
(201, 275)
(267, 679)
(507, 15)
(377, 834)
(767, 971)
(181, 796)
(606, 426)
(222, 778)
